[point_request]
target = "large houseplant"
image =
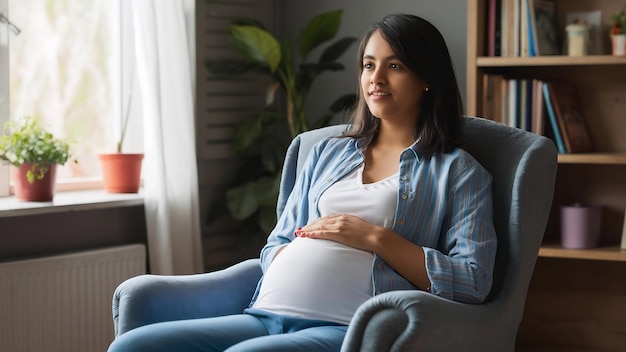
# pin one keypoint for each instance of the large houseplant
(34, 154)
(262, 138)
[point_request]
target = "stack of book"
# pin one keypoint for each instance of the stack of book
(550, 108)
(521, 28)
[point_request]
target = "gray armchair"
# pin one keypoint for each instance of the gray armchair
(523, 166)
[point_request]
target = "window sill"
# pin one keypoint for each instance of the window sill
(69, 201)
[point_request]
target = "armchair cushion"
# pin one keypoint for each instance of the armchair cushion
(148, 299)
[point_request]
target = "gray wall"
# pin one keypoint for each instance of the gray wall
(450, 16)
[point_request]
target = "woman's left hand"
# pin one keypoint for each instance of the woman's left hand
(346, 229)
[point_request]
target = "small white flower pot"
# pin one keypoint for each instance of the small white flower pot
(618, 42)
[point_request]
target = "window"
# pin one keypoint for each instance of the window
(67, 68)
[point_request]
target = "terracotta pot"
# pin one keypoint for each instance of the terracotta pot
(121, 172)
(38, 191)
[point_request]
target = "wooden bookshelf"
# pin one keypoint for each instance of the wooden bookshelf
(593, 158)
(556, 60)
(577, 298)
(613, 253)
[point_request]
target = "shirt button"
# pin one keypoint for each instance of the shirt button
(404, 178)
(314, 200)
(400, 222)
(404, 196)
(330, 180)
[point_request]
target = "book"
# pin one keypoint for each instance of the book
(492, 97)
(532, 28)
(569, 114)
(498, 98)
(538, 108)
(507, 27)
(513, 103)
(516, 45)
(494, 28)
(528, 115)
(504, 33)
(560, 122)
(498, 15)
(556, 132)
(491, 29)
(523, 28)
(544, 32)
(523, 98)
(488, 96)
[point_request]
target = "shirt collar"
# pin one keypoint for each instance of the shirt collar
(360, 145)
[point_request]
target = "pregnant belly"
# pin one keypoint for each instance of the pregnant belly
(317, 279)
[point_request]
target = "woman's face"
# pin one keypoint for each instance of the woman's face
(392, 91)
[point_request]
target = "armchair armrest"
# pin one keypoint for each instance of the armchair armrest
(148, 299)
(416, 320)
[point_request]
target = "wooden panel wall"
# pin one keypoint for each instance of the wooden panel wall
(221, 103)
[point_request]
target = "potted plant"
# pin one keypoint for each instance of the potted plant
(618, 33)
(262, 138)
(121, 172)
(34, 154)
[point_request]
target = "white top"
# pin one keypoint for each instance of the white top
(326, 280)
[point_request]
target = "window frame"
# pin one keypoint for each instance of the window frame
(4, 91)
(123, 65)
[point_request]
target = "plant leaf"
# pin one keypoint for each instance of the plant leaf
(309, 72)
(337, 49)
(251, 22)
(241, 201)
(321, 28)
(27, 141)
(270, 94)
(256, 44)
(251, 129)
(225, 68)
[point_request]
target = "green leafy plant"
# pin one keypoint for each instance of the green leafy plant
(262, 138)
(26, 141)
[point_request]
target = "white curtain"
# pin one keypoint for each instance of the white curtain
(165, 53)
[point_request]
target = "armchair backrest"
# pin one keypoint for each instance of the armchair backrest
(523, 166)
(296, 155)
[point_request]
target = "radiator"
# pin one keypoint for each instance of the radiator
(63, 303)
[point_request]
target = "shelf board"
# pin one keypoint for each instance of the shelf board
(593, 158)
(614, 254)
(556, 60)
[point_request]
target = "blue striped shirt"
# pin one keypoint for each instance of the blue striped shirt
(444, 204)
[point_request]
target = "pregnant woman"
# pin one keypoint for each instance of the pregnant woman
(393, 204)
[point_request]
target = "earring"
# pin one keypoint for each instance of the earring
(426, 89)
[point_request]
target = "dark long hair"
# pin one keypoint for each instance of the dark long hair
(421, 47)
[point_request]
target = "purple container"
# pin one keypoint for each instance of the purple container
(580, 226)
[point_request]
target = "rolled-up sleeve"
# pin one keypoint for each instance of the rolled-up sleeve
(462, 268)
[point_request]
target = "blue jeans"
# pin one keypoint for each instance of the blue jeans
(254, 330)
